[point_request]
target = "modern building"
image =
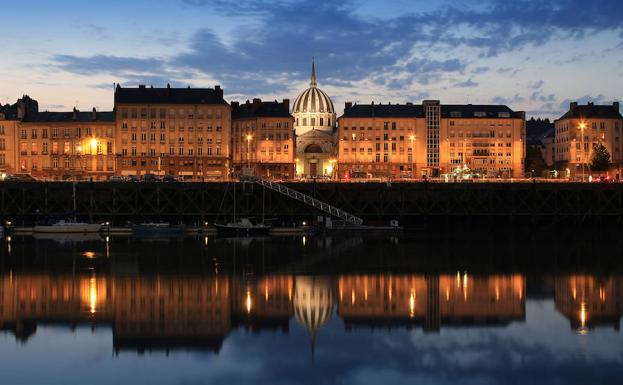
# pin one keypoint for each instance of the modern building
(176, 131)
(67, 145)
(412, 141)
(315, 127)
(263, 138)
(580, 129)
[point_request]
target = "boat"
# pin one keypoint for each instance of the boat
(156, 229)
(243, 226)
(71, 226)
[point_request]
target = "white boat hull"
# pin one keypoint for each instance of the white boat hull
(79, 228)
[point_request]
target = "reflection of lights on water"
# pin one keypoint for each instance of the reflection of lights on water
(93, 294)
(266, 292)
(352, 297)
(602, 294)
(497, 293)
(248, 301)
(412, 304)
(575, 294)
(107, 239)
(447, 294)
(304, 240)
(89, 254)
(205, 241)
(583, 314)
(458, 279)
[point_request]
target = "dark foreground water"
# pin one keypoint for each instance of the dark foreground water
(447, 308)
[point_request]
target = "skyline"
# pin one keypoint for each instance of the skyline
(530, 56)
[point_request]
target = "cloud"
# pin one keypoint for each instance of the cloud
(469, 83)
(512, 100)
(99, 64)
(536, 85)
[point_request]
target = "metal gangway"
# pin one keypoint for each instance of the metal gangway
(313, 202)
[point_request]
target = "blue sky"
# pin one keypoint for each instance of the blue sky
(532, 55)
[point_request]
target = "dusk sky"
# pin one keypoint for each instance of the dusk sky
(531, 55)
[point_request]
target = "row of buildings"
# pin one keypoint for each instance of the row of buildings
(196, 134)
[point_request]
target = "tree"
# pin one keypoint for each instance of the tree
(534, 161)
(600, 160)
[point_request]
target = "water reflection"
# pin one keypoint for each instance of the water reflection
(200, 311)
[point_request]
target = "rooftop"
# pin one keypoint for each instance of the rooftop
(168, 95)
(71, 116)
(592, 111)
(258, 108)
(417, 111)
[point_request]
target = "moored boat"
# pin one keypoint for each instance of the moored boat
(65, 227)
(157, 229)
(244, 226)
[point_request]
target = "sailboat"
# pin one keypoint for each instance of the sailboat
(72, 226)
(243, 226)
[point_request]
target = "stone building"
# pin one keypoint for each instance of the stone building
(580, 129)
(176, 131)
(67, 145)
(315, 126)
(263, 138)
(10, 120)
(412, 141)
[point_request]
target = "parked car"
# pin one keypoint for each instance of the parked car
(117, 178)
(169, 178)
(133, 178)
(150, 178)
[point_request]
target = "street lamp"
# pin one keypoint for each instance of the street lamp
(412, 137)
(583, 156)
(249, 137)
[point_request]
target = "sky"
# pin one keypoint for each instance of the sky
(534, 56)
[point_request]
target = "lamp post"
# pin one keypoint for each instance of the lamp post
(583, 156)
(412, 137)
(249, 137)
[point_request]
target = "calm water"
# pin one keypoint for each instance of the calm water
(449, 308)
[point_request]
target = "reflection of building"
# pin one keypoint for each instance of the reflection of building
(431, 300)
(170, 312)
(177, 131)
(314, 124)
(588, 301)
(263, 304)
(313, 303)
(263, 138)
(581, 128)
(64, 145)
(423, 140)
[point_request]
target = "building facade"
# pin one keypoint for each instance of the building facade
(412, 141)
(580, 129)
(67, 145)
(315, 127)
(173, 131)
(263, 138)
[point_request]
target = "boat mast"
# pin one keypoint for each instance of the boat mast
(234, 201)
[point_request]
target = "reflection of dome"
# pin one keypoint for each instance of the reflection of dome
(313, 99)
(313, 149)
(313, 303)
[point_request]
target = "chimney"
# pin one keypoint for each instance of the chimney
(235, 105)
(94, 114)
(75, 114)
(286, 104)
(591, 103)
(257, 102)
(169, 85)
(218, 90)
(141, 86)
(573, 105)
(615, 105)
(348, 106)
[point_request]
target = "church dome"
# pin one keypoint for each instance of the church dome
(313, 99)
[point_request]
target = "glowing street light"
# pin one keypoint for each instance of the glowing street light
(412, 138)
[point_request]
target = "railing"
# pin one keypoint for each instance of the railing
(313, 202)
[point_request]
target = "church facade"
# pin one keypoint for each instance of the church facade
(315, 128)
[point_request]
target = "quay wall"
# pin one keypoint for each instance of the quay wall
(412, 204)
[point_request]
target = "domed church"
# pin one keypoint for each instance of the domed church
(314, 125)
